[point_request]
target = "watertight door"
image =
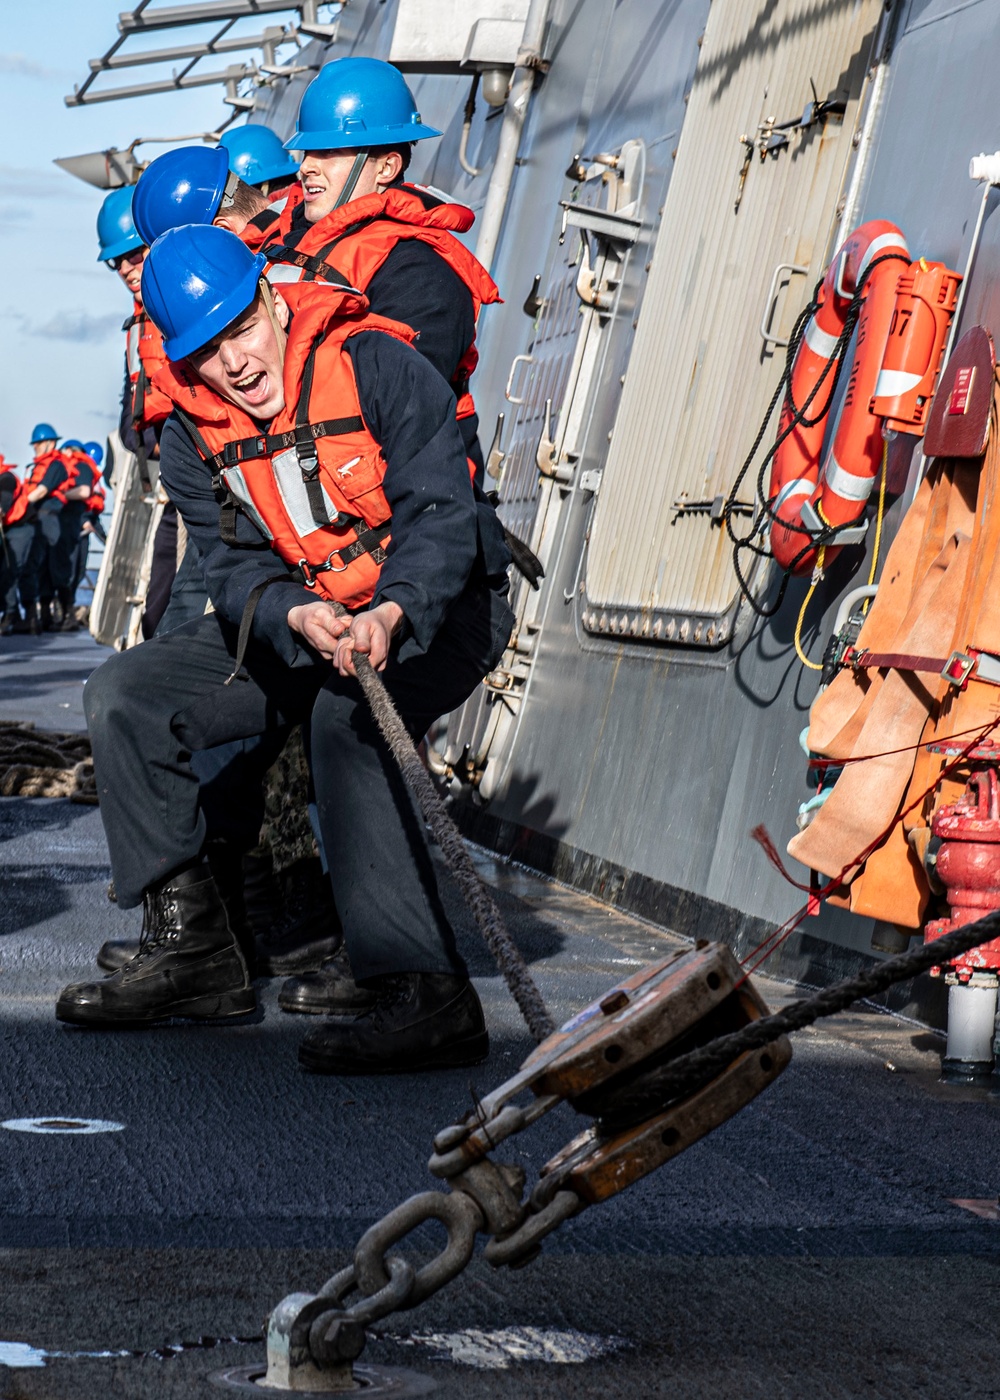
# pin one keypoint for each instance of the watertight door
(742, 242)
(550, 391)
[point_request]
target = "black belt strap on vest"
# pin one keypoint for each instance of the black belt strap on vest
(305, 448)
(303, 435)
(228, 508)
(312, 265)
(369, 541)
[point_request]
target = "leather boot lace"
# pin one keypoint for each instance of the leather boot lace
(160, 921)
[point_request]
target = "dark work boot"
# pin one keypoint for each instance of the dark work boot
(329, 991)
(116, 952)
(225, 867)
(19, 625)
(7, 621)
(307, 929)
(67, 622)
(188, 963)
(421, 1020)
(45, 612)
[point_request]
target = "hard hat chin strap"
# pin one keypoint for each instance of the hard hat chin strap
(350, 184)
(267, 296)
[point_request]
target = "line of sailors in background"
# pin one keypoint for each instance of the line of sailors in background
(47, 518)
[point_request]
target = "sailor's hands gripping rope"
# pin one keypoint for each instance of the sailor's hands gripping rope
(337, 636)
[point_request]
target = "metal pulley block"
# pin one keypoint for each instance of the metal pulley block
(604, 1062)
(597, 1058)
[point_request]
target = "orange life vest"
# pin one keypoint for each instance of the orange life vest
(311, 484)
(96, 501)
(144, 352)
(74, 460)
(262, 226)
(349, 245)
(42, 465)
(34, 477)
(18, 506)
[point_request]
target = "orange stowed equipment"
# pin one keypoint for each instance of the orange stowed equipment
(925, 303)
(312, 485)
(796, 492)
(922, 683)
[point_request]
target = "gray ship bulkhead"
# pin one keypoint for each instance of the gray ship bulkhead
(637, 770)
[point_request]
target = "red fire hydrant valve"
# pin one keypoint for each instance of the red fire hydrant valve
(968, 864)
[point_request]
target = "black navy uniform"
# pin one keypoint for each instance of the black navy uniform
(149, 708)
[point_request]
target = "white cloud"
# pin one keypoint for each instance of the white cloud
(14, 215)
(20, 65)
(44, 182)
(79, 326)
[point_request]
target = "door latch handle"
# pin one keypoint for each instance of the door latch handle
(770, 305)
(517, 360)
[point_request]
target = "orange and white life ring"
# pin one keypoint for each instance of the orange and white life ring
(852, 464)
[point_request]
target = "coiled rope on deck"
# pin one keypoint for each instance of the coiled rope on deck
(41, 763)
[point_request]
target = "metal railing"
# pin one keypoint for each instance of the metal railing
(145, 20)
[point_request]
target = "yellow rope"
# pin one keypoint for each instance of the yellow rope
(879, 517)
(818, 570)
(816, 576)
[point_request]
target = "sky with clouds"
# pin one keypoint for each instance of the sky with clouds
(60, 310)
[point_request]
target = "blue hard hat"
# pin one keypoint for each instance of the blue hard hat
(95, 452)
(74, 442)
(355, 104)
(256, 154)
(196, 280)
(43, 432)
(116, 233)
(183, 186)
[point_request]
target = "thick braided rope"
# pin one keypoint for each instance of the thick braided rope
(482, 907)
(688, 1073)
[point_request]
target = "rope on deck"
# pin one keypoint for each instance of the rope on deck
(44, 763)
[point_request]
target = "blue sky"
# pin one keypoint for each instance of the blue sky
(60, 310)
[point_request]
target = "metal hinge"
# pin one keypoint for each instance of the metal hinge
(715, 508)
